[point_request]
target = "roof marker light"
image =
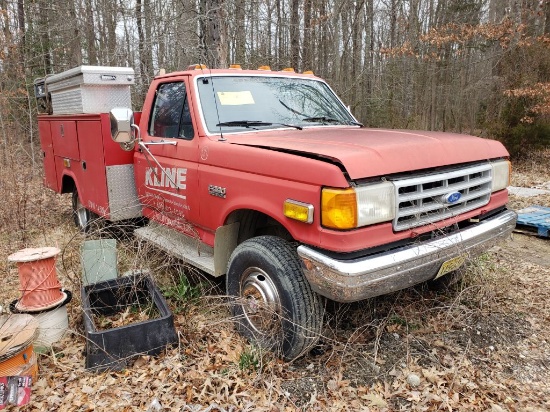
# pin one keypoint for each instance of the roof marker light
(197, 67)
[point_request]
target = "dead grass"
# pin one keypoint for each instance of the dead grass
(480, 346)
(533, 172)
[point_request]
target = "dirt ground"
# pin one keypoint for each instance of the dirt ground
(481, 345)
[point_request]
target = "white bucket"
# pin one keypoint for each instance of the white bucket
(53, 325)
(52, 322)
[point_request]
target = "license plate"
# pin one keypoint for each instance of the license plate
(450, 265)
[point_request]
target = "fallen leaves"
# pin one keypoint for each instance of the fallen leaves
(481, 347)
(375, 400)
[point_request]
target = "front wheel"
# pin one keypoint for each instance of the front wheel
(272, 303)
(83, 217)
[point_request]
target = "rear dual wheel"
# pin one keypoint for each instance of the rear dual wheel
(272, 302)
(83, 218)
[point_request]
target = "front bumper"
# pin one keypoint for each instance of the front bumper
(365, 277)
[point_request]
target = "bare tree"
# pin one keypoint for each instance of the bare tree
(294, 33)
(433, 64)
(145, 55)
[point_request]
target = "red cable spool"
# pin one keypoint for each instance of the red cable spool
(38, 282)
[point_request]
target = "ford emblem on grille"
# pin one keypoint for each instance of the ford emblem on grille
(451, 198)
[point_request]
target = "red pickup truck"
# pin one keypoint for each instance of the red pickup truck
(267, 178)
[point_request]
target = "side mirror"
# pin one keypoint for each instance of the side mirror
(122, 120)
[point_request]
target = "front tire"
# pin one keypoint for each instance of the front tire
(271, 301)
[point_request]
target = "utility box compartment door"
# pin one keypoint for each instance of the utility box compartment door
(90, 172)
(65, 139)
(50, 175)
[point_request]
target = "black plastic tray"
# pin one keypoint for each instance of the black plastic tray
(110, 349)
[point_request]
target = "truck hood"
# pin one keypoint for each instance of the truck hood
(375, 152)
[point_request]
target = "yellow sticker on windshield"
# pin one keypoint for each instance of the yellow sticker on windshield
(235, 98)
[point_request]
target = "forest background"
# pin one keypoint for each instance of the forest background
(474, 66)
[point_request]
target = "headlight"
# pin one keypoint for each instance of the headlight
(501, 175)
(355, 207)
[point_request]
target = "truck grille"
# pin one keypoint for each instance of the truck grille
(420, 200)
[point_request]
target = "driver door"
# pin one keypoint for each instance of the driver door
(166, 172)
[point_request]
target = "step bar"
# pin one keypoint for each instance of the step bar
(190, 250)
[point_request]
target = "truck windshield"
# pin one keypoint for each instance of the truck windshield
(237, 103)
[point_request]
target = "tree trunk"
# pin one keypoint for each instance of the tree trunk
(21, 24)
(393, 23)
(295, 34)
(240, 32)
(280, 34)
(5, 19)
(90, 33)
(110, 24)
(212, 33)
(307, 64)
(74, 42)
(268, 50)
(357, 48)
(148, 19)
(146, 69)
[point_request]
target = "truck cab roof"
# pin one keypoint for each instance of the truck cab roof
(201, 70)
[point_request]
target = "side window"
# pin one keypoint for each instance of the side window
(171, 116)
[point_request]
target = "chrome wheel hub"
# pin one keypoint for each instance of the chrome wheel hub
(261, 302)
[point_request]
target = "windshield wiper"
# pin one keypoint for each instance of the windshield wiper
(326, 119)
(251, 123)
(291, 125)
(244, 123)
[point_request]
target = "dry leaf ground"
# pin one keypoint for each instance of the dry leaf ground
(481, 345)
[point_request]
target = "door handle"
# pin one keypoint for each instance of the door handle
(159, 142)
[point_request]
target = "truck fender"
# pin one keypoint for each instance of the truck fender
(225, 243)
(68, 183)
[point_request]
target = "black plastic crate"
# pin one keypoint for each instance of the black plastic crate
(110, 349)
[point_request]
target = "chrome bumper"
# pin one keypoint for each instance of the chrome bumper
(365, 277)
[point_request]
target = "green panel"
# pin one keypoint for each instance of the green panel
(99, 261)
